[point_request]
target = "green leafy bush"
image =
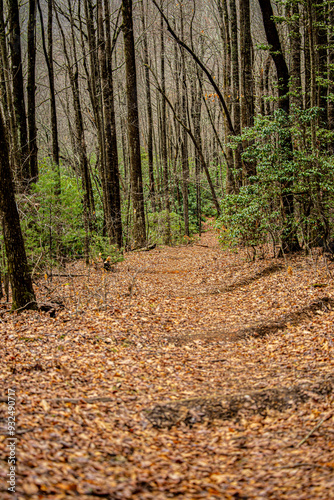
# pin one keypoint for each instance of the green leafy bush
(158, 224)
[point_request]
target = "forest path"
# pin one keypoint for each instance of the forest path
(175, 335)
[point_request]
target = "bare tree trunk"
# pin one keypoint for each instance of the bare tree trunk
(149, 111)
(295, 47)
(7, 97)
(23, 173)
(235, 89)
(266, 78)
(289, 237)
(331, 74)
(247, 81)
(23, 296)
(48, 55)
(321, 69)
(184, 143)
(165, 176)
(80, 142)
(307, 63)
(31, 88)
(112, 190)
(225, 35)
(139, 231)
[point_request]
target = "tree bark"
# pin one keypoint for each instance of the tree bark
(23, 296)
(80, 142)
(295, 48)
(23, 174)
(165, 176)
(7, 97)
(139, 231)
(225, 35)
(289, 237)
(184, 143)
(111, 184)
(149, 111)
(31, 89)
(233, 25)
(247, 81)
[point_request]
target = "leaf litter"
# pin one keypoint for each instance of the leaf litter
(160, 379)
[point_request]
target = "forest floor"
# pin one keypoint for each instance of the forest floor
(185, 372)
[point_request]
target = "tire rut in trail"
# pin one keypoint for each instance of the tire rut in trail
(259, 329)
(191, 411)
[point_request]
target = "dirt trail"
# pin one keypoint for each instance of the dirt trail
(237, 356)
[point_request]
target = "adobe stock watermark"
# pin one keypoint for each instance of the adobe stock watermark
(11, 446)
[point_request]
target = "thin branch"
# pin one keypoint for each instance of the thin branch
(315, 428)
(201, 65)
(199, 150)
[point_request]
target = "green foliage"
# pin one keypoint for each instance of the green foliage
(101, 248)
(246, 218)
(287, 162)
(158, 224)
(53, 224)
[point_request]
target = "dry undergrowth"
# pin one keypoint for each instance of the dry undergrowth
(188, 372)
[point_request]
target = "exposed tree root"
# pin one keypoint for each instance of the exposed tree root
(190, 411)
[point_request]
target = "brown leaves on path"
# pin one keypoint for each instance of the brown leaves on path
(171, 326)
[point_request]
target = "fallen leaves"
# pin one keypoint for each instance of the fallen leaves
(85, 379)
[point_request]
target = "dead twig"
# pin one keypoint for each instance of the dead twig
(316, 427)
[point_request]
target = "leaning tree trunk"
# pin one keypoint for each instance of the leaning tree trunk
(23, 296)
(139, 231)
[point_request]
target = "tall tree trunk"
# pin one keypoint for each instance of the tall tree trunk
(331, 75)
(31, 87)
(112, 190)
(196, 107)
(48, 56)
(295, 47)
(139, 231)
(7, 96)
(307, 63)
(149, 111)
(289, 237)
(235, 89)
(225, 35)
(247, 81)
(23, 296)
(165, 176)
(321, 70)
(23, 174)
(80, 142)
(184, 143)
